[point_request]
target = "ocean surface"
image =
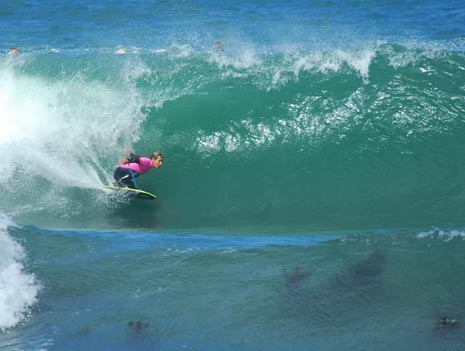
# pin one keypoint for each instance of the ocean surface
(312, 195)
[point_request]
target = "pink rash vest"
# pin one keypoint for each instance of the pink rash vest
(144, 165)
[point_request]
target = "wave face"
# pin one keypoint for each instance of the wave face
(357, 138)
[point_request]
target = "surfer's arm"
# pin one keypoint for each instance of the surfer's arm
(131, 158)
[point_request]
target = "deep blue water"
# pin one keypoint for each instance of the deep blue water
(99, 25)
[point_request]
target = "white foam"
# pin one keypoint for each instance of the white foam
(18, 289)
(60, 129)
(444, 234)
(244, 58)
(122, 50)
(359, 60)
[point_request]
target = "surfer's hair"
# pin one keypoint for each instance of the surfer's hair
(157, 154)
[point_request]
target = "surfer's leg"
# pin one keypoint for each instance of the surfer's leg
(123, 178)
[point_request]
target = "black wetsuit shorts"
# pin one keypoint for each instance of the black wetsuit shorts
(125, 177)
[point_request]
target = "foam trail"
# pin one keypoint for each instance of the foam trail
(18, 289)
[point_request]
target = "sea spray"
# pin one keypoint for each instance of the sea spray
(64, 129)
(58, 128)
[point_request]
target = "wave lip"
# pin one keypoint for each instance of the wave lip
(18, 289)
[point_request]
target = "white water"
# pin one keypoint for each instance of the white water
(61, 133)
(58, 130)
(18, 288)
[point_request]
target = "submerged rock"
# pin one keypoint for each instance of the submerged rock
(137, 325)
(446, 323)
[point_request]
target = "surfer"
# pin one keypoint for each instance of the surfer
(133, 166)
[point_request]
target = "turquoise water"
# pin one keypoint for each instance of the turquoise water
(369, 138)
(311, 195)
(195, 291)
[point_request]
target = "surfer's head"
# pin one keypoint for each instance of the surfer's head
(157, 159)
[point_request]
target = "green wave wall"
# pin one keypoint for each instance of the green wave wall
(363, 138)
